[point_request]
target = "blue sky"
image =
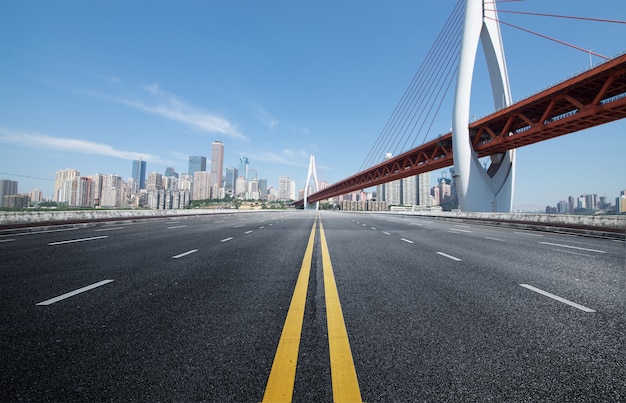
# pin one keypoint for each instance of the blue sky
(94, 85)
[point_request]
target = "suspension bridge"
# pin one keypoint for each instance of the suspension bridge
(591, 98)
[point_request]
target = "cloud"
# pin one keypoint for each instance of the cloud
(285, 157)
(176, 109)
(73, 145)
(265, 117)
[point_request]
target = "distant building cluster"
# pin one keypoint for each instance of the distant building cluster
(208, 180)
(589, 204)
(154, 190)
(414, 192)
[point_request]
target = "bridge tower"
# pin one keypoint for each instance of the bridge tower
(311, 174)
(480, 189)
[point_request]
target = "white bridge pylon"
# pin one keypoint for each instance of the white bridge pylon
(480, 189)
(311, 174)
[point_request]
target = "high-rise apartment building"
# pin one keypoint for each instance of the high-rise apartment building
(139, 172)
(185, 182)
(423, 190)
(36, 195)
(112, 191)
(253, 190)
(286, 189)
(97, 188)
(620, 202)
(63, 184)
(411, 191)
(82, 192)
(170, 182)
(393, 192)
(217, 163)
(154, 182)
(7, 188)
(241, 186)
(201, 185)
(443, 192)
(196, 163)
(16, 201)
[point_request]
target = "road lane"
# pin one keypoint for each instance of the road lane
(425, 329)
(206, 326)
(200, 328)
(343, 374)
(282, 377)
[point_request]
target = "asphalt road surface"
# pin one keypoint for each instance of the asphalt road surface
(310, 307)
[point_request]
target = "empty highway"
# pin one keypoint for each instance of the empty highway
(310, 307)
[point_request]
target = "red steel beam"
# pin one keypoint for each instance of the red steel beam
(592, 98)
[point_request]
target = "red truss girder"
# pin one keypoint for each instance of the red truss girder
(428, 157)
(590, 99)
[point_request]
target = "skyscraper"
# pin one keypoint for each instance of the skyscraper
(230, 180)
(170, 172)
(7, 188)
(196, 163)
(139, 172)
(243, 167)
(217, 163)
(263, 188)
(252, 174)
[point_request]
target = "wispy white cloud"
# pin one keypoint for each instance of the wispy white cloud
(67, 144)
(265, 117)
(284, 157)
(171, 107)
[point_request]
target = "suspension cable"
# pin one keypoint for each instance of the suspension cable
(550, 38)
(564, 16)
(428, 92)
(420, 92)
(412, 94)
(431, 83)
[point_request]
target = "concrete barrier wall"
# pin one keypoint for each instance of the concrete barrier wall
(8, 218)
(600, 221)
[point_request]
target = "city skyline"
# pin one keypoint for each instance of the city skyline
(391, 192)
(94, 92)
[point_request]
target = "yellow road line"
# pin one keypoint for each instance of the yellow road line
(283, 374)
(343, 374)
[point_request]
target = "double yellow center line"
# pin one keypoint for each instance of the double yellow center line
(343, 374)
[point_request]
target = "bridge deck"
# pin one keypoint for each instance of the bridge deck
(592, 98)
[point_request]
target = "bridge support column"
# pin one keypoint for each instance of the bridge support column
(480, 189)
(311, 174)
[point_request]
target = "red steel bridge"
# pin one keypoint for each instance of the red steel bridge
(592, 98)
